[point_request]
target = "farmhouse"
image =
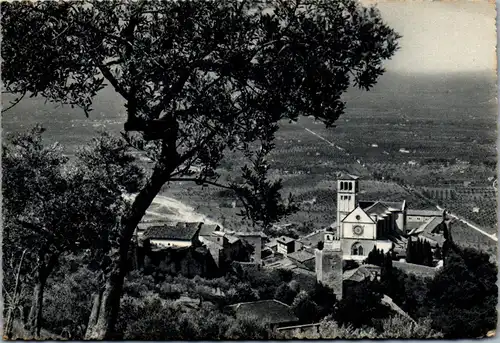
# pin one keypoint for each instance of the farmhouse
(180, 235)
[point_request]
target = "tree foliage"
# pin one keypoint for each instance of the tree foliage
(419, 252)
(361, 304)
(198, 79)
(464, 294)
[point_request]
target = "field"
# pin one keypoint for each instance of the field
(425, 131)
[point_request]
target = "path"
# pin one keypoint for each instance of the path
(472, 226)
(175, 210)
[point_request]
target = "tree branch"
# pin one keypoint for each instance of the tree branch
(114, 82)
(15, 102)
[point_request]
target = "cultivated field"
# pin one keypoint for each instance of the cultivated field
(413, 130)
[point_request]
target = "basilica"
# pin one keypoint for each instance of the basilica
(363, 225)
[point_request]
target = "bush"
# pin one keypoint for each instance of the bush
(285, 294)
(361, 304)
(68, 303)
(304, 308)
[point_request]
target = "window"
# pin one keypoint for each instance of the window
(328, 237)
(358, 217)
(350, 186)
(341, 185)
(356, 249)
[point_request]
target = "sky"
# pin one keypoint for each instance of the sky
(441, 36)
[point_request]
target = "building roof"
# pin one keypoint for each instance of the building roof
(284, 263)
(272, 243)
(346, 176)
(143, 225)
(208, 229)
(377, 208)
(196, 225)
(424, 213)
(361, 273)
(251, 234)
(395, 205)
(313, 239)
(364, 204)
(301, 256)
(285, 240)
(268, 311)
(177, 232)
(232, 239)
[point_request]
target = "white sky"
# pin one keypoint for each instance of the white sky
(442, 36)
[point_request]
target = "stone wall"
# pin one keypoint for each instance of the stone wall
(329, 269)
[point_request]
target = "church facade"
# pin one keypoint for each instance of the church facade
(363, 225)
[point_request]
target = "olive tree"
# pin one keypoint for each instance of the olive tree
(199, 78)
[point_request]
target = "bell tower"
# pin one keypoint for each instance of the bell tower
(347, 190)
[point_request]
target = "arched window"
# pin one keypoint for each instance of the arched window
(350, 186)
(341, 185)
(356, 249)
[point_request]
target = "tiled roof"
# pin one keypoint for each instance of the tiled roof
(268, 311)
(396, 205)
(361, 273)
(346, 176)
(285, 239)
(301, 256)
(196, 225)
(145, 224)
(177, 232)
(313, 239)
(364, 204)
(283, 263)
(378, 209)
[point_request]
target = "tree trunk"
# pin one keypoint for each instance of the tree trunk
(35, 316)
(15, 300)
(106, 306)
(43, 272)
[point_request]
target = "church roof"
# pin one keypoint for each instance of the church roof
(394, 205)
(377, 208)
(390, 205)
(346, 176)
(364, 204)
